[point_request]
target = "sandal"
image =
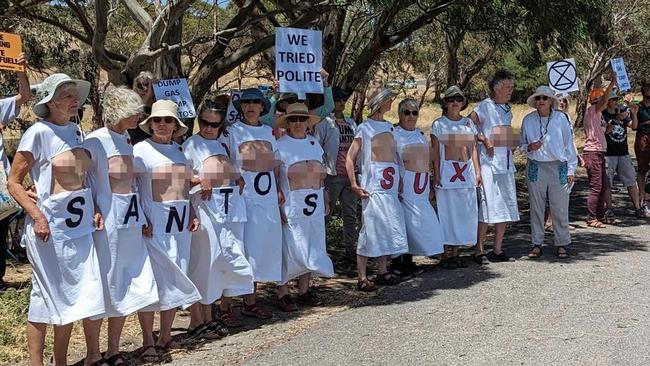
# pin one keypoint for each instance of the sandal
(386, 279)
(596, 224)
(255, 311)
(561, 253)
(114, 359)
(536, 252)
(366, 286)
(218, 327)
(229, 319)
(203, 331)
(149, 358)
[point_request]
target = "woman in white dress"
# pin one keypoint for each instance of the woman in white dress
(129, 283)
(253, 152)
(453, 138)
(163, 175)
(383, 232)
(218, 266)
(423, 229)
(302, 176)
(66, 282)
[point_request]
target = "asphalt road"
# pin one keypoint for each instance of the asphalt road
(590, 310)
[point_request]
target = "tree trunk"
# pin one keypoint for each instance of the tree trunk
(357, 108)
(169, 65)
(453, 39)
(332, 45)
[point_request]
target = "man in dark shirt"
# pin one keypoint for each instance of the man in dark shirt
(619, 118)
(642, 143)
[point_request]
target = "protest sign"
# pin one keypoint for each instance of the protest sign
(10, 47)
(298, 60)
(177, 91)
(232, 114)
(562, 75)
(621, 74)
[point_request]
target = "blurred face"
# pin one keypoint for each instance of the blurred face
(454, 104)
(543, 103)
(209, 124)
(339, 105)
(130, 122)
(297, 126)
(612, 103)
(562, 104)
(252, 109)
(163, 127)
(65, 101)
(503, 90)
(408, 117)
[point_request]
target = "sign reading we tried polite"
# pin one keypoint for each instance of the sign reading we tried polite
(177, 91)
(298, 60)
(10, 48)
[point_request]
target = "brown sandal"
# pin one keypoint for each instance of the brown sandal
(366, 286)
(596, 224)
(561, 253)
(229, 319)
(255, 311)
(149, 358)
(536, 252)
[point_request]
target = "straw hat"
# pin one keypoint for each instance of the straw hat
(164, 108)
(381, 97)
(296, 109)
(454, 91)
(253, 94)
(46, 90)
(542, 90)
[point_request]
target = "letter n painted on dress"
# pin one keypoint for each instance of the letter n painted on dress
(173, 216)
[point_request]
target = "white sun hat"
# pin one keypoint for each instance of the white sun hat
(48, 87)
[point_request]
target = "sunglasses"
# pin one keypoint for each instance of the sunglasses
(205, 123)
(163, 119)
(457, 99)
(296, 119)
(541, 97)
(411, 113)
(251, 101)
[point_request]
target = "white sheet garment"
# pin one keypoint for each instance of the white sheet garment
(218, 265)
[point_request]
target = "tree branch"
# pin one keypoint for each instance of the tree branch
(138, 14)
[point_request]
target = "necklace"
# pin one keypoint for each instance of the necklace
(543, 132)
(506, 108)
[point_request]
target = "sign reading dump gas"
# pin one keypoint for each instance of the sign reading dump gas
(177, 91)
(10, 48)
(298, 60)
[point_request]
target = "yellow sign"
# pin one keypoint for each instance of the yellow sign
(10, 48)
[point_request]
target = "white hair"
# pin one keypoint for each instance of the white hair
(120, 103)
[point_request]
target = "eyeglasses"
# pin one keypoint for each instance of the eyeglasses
(541, 97)
(163, 119)
(205, 123)
(410, 113)
(457, 99)
(295, 119)
(251, 101)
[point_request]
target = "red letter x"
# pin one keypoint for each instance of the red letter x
(459, 172)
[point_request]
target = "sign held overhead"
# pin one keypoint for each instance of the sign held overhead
(562, 75)
(621, 74)
(10, 47)
(298, 60)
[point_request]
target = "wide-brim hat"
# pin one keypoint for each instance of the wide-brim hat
(164, 108)
(542, 90)
(296, 109)
(252, 94)
(381, 97)
(46, 90)
(455, 91)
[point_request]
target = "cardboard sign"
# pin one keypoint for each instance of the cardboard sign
(621, 74)
(232, 114)
(562, 75)
(10, 47)
(298, 60)
(176, 90)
